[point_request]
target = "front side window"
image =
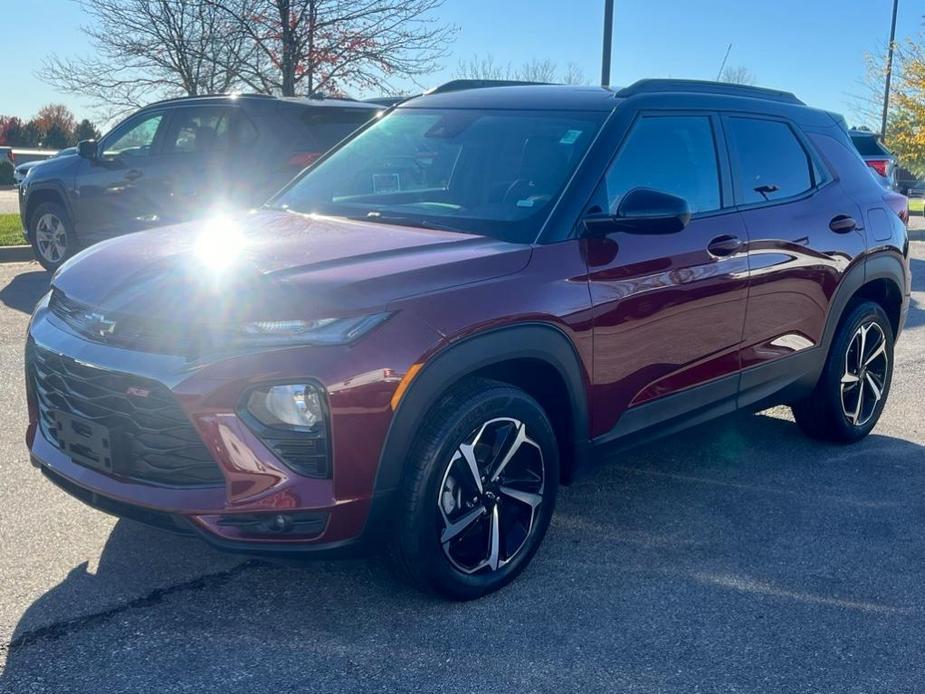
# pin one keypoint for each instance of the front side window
(136, 139)
(768, 159)
(671, 154)
(490, 172)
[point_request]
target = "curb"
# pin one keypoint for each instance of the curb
(16, 254)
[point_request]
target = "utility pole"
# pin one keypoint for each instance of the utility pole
(608, 43)
(889, 70)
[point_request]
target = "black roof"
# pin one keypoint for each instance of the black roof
(585, 98)
(524, 97)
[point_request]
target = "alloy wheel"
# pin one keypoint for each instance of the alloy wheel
(488, 500)
(51, 237)
(866, 371)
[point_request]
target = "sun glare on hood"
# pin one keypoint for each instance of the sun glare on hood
(220, 242)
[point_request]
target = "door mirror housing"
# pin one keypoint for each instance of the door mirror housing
(642, 211)
(88, 149)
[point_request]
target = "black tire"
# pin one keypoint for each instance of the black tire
(52, 236)
(486, 414)
(835, 410)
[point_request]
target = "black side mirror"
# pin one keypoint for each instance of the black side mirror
(642, 211)
(87, 149)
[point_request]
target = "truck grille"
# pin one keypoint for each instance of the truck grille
(152, 439)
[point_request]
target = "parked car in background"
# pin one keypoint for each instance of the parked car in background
(176, 160)
(876, 155)
(19, 173)
(916, 190)
(416, 340)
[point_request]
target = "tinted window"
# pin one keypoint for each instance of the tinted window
(202, 129)
(490, 172)
(329, 126)
(771, 162)
(134, 138)
(868, 145)
(672, 154)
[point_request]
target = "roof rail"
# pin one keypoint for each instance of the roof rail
(654, 86)
(209, 96)
(461, 85)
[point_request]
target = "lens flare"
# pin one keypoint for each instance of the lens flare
(220, 242)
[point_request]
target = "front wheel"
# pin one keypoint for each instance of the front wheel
(855, 382)
(52, 235)
(480, 491)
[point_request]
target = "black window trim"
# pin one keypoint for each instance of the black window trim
(815, 163)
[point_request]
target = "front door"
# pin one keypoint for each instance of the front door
(123, 189)
(668, 309)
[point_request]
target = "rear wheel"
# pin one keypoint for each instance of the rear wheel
(849, 398)
(480, 493)
(52, 235)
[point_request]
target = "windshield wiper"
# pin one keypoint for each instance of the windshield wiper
(406, 220)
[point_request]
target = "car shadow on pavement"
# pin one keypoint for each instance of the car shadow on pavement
(737, 544)
(24, 290)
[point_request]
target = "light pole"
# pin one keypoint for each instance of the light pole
(608, 41)
(889, 70)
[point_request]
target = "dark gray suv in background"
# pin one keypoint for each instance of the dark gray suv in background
(176, 160)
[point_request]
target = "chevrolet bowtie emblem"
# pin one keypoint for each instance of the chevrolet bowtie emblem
(99, 324)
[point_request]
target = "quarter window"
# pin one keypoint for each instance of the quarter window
(671, 154)
(770, 163)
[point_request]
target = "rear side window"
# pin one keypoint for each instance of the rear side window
(671, 154)
(199, 129)
(768, 160)
(328, 126)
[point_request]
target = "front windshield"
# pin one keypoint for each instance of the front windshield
(490, 172)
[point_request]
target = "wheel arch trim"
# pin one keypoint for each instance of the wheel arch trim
(536, 340)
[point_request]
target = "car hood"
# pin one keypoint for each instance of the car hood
(274, 265)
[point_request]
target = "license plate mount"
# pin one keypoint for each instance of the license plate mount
(86, 442)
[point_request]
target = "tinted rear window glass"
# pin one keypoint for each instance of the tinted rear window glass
(771, 164)
(329, 126)
(868, 145)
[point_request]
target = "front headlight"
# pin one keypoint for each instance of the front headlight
(324, 331)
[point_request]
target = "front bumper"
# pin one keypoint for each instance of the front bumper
(238, 514)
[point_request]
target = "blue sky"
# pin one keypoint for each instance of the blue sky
(815, 48)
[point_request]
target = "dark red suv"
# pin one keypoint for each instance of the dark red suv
(434, 326)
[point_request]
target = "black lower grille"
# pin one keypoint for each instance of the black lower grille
(150, 438)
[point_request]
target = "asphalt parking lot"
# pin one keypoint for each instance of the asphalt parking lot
(739, 557)
(9, 201)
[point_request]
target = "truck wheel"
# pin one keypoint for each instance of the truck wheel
(52, 235)
(479, 492)
(855, 382)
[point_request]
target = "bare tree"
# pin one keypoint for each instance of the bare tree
(148, 49)
(292, 47)
(535, 70)
(738, 75)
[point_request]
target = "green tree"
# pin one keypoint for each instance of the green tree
(85, 130)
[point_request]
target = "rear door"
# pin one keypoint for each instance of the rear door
(668, 309)
(208, 149)
(790, 205)
(124, 189)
